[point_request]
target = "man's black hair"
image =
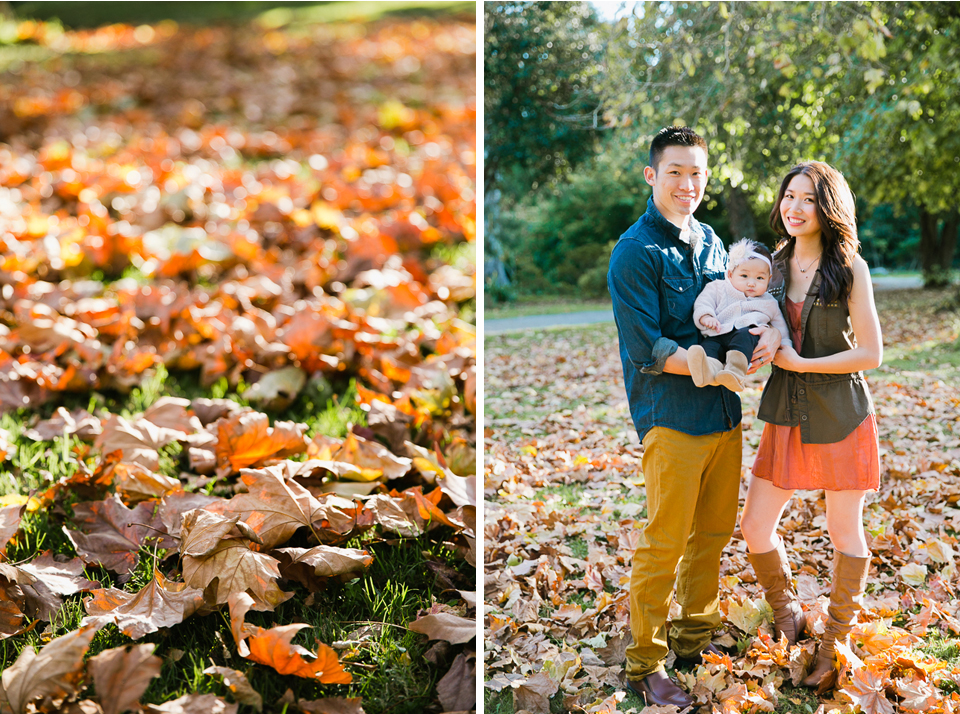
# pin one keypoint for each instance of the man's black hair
(673, 136)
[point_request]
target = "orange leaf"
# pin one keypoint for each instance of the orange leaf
(274, 648)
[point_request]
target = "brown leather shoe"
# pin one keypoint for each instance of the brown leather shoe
(698, 659)
(659, 689)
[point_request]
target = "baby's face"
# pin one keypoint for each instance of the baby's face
(751, 277)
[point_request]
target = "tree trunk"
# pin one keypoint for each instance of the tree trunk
(742, 222)
(937, 246)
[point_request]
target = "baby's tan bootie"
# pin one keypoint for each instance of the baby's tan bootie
(703, 369)
(734, 373)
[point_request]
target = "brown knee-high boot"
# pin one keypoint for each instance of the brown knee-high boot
(846, 599)
(773, 574)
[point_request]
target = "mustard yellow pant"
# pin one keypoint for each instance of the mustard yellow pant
(692, 487)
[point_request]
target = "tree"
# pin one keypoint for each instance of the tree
(865, 86)
(540, 113)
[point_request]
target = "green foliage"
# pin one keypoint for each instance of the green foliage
(540, 62)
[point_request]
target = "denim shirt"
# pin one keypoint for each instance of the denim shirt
(654, 278)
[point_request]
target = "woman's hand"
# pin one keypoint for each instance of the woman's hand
(787, 358)
(766, 347)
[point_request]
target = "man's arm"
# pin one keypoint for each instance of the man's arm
(634, 283)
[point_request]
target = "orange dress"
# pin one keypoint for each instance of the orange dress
(851, 464)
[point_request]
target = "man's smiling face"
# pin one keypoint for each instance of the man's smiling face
(678, 182)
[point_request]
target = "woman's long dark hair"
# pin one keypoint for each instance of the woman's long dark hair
(837, 213)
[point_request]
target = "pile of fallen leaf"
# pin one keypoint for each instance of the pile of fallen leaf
(565, 501)
(231, 550)
(273, 207)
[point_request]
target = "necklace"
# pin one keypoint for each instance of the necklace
(802, 269)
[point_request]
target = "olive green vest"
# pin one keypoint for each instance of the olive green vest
(826, 407)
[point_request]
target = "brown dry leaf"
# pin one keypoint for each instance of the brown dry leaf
(247, 439)
(235, 567)
(10, 522)
(121, 675)
(444, 626)
(331, 705)
(240, 604)
(391, 517)
(111, 534)
(239, 686)
(457, 689)
(201, 531)
(274, 506)
(274, 648)
(137, 483)
(372, 459)
(138, 440)
(193, 704)
(53, 671)
(173, 413)
(175, 504)
(53, 578)
(868, 691)
(64, 423)
(160, 603)
(534, 693)
(322, 561)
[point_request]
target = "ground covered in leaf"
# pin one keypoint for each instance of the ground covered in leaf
(564, 499)
(237, 366)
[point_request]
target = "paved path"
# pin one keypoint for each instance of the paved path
(531, 322)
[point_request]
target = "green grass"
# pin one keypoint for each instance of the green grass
(934, 358)
(524, 307)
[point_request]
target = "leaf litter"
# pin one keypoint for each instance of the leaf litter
(564, 500)
(297, 215)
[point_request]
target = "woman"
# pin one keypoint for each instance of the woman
(821, 430)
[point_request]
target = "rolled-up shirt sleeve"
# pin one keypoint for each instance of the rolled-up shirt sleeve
(633, 281)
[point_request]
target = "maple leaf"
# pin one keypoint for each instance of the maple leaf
(121, 675)
(748, 616)
(868, 691)
(53, 576)
(160, 603)
(234, 567)
(111, 534)
(174, 504)
(917, 695)
(137, 483)
(456, 689)
(238, 685)
(247, 439)
(370, 460)
(274, 507)
(331, 705)
(193, 704)
(323, 562)
(533, 694)
(201, 531)
(445, 626)
(139, 440)
(274, 648)
(53, 671)
(64, 423)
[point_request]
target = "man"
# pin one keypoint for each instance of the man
(691, 436)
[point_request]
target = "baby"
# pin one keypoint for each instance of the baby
(726, 310)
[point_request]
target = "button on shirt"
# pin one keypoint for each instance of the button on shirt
(654, 279)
